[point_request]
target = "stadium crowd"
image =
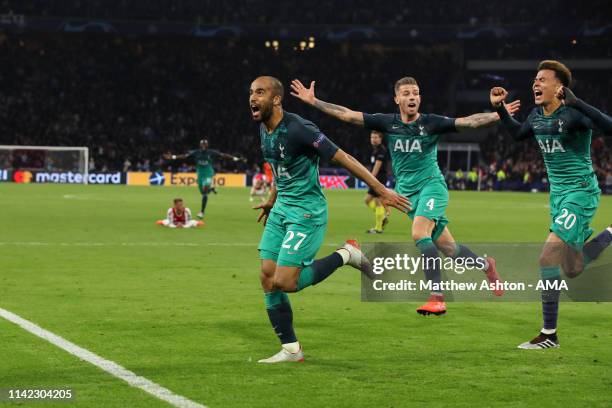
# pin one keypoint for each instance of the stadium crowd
(357, 12)
(95, 90)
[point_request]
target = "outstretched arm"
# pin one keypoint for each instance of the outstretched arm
(479, 120)
(307, 95)
(517, 129)
(387, 197)
(600, 119)
(230, 157)
(169, 156)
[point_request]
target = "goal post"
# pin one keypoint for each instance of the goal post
(52, 159)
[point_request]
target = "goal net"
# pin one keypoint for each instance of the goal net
(64, 161)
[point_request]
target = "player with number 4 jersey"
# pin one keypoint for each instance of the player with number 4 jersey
(412, 140)
(295, 216)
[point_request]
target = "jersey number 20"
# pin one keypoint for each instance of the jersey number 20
(566, 219)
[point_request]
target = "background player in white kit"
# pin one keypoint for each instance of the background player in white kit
(178, 216)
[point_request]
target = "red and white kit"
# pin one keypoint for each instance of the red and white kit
(183, 219)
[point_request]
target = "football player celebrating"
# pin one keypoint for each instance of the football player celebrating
(412, 139)
(204, 160)
(295, 215)
(561, 124)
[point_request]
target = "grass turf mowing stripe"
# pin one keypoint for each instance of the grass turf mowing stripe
(110, 367)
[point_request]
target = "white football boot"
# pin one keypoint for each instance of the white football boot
(357, 259)
(284, 356)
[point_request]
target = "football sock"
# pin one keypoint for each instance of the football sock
(431, 261)
(462, 251)
(372, 205)
(380, 216)
(204, 201)
(595, 247)
(319, 270)
(281, 315)
(550, 297)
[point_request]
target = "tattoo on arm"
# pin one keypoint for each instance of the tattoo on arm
(340, 112)
(477, 120)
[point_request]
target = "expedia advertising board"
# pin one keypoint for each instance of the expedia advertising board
(24, 176)
(183, 179)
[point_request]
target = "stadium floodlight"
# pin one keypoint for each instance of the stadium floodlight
(51, 159)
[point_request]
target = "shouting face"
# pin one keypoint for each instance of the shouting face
(262, 99)
(408, 98)
(545, 86)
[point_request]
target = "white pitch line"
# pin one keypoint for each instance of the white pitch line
(110, 367)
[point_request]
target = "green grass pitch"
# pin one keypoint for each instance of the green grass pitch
(184, 308)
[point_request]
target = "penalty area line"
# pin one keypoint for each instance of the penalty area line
(110, 367)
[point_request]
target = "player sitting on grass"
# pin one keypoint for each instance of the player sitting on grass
(179, 216)
(295, 216)
(412, 139)
(260, 188)
(561, 124)
(204, 159)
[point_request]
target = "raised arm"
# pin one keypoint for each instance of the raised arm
(517, 129)
(600, 119)
(480, 120)
(307, 95)
(388, 197)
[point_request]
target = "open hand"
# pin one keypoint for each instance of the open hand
(513, 107)
(390, 198)
(265, 211)
(306, 95)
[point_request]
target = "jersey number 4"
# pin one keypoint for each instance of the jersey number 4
(430, 204)
(290, 235)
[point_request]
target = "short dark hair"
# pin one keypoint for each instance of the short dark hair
(177, 200)
(562, 72)
(277, 86)
(405, 81)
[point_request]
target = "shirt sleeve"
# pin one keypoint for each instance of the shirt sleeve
(518, 130)
(311, 136)
(381, 155)
(377, 121)
(441, 124)
(191, 153)
(595, 116)
(214, 153)
(187, 215)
